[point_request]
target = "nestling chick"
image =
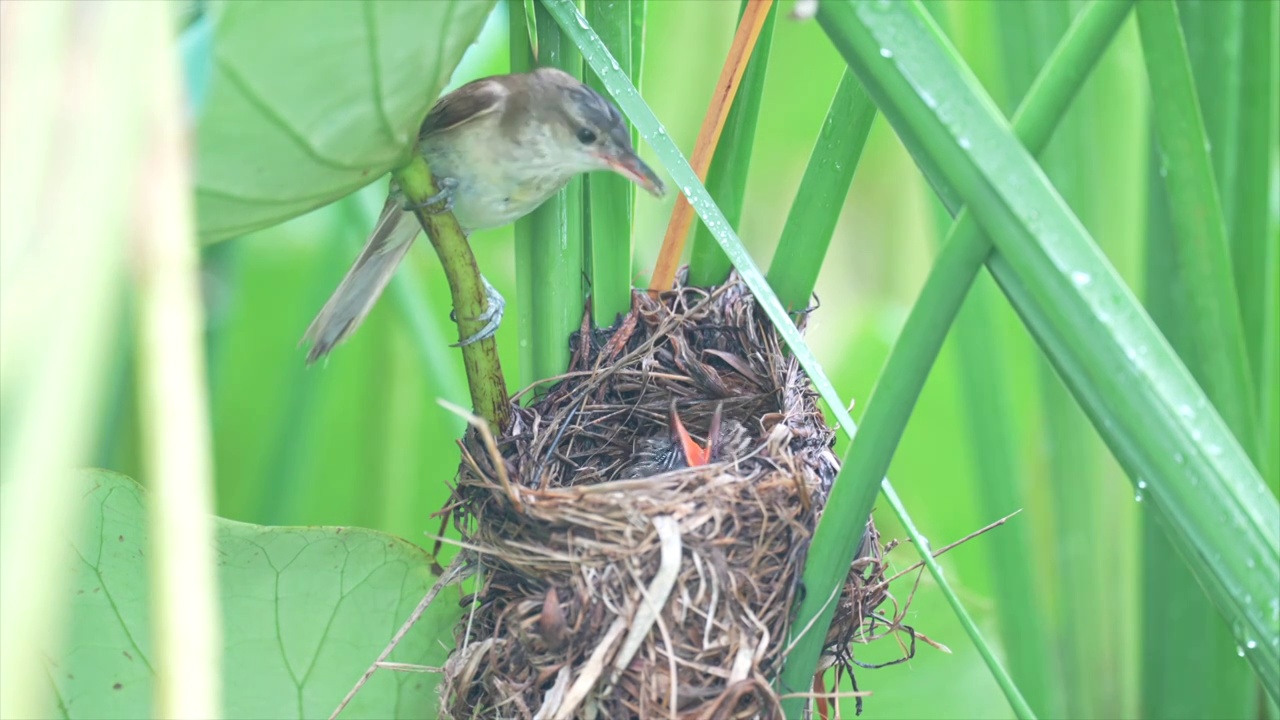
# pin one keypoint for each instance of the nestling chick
(658, 454)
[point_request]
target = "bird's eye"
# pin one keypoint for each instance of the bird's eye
(586, 137)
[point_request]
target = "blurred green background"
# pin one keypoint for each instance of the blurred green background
(360, 439)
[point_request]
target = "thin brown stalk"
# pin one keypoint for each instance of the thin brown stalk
(744, 41)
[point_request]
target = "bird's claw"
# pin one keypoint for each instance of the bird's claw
(492, 315)
(441, 202)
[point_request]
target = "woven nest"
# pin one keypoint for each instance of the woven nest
(619, 582)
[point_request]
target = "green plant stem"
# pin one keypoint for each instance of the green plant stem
(64, 278)
(913, 354)
(1174, 680)
(610, 197)
(1203, 254)
(1155, 418)
(484, 371)
(549, 240)
(1253, 246)
(1028, 33)
(727, 176)
(1167, 683)
(802, 247)
(174, 406)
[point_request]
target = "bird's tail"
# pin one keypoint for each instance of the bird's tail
(365, 281)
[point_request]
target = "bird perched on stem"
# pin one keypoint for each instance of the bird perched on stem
(498, 147)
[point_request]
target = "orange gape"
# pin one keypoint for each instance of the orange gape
(695, 454)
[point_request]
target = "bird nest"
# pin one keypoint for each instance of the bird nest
(627, 569)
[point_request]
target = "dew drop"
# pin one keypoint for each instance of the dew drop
(1081, 278)
(964, 142)
(886, 53)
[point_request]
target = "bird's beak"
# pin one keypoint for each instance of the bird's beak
(627, 164)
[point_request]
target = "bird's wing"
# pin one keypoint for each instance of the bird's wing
(473, 100)
(365, 281)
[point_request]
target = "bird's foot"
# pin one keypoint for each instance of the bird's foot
(491, 317)
(441, 202)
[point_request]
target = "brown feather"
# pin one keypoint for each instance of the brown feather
(365, 281)
(469, 102)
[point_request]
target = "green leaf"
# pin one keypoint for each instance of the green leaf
(305, 612)
(307, 102)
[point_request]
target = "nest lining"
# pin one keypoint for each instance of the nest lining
(616, 581)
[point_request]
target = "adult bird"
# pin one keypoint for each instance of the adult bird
(498, 147)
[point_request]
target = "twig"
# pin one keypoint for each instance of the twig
(457, 571)
(486, 436)
(953, 545)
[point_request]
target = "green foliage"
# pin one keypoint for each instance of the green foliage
(309, 102)
(1072, 300)
(977, 426)
(305, 611)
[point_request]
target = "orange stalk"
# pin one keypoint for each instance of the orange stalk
(744, 41)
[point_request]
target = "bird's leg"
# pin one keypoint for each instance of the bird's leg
(441, 202)
(492, 315)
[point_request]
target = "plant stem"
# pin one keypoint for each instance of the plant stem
(913, 354)
(484, 372)
(805, 238)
